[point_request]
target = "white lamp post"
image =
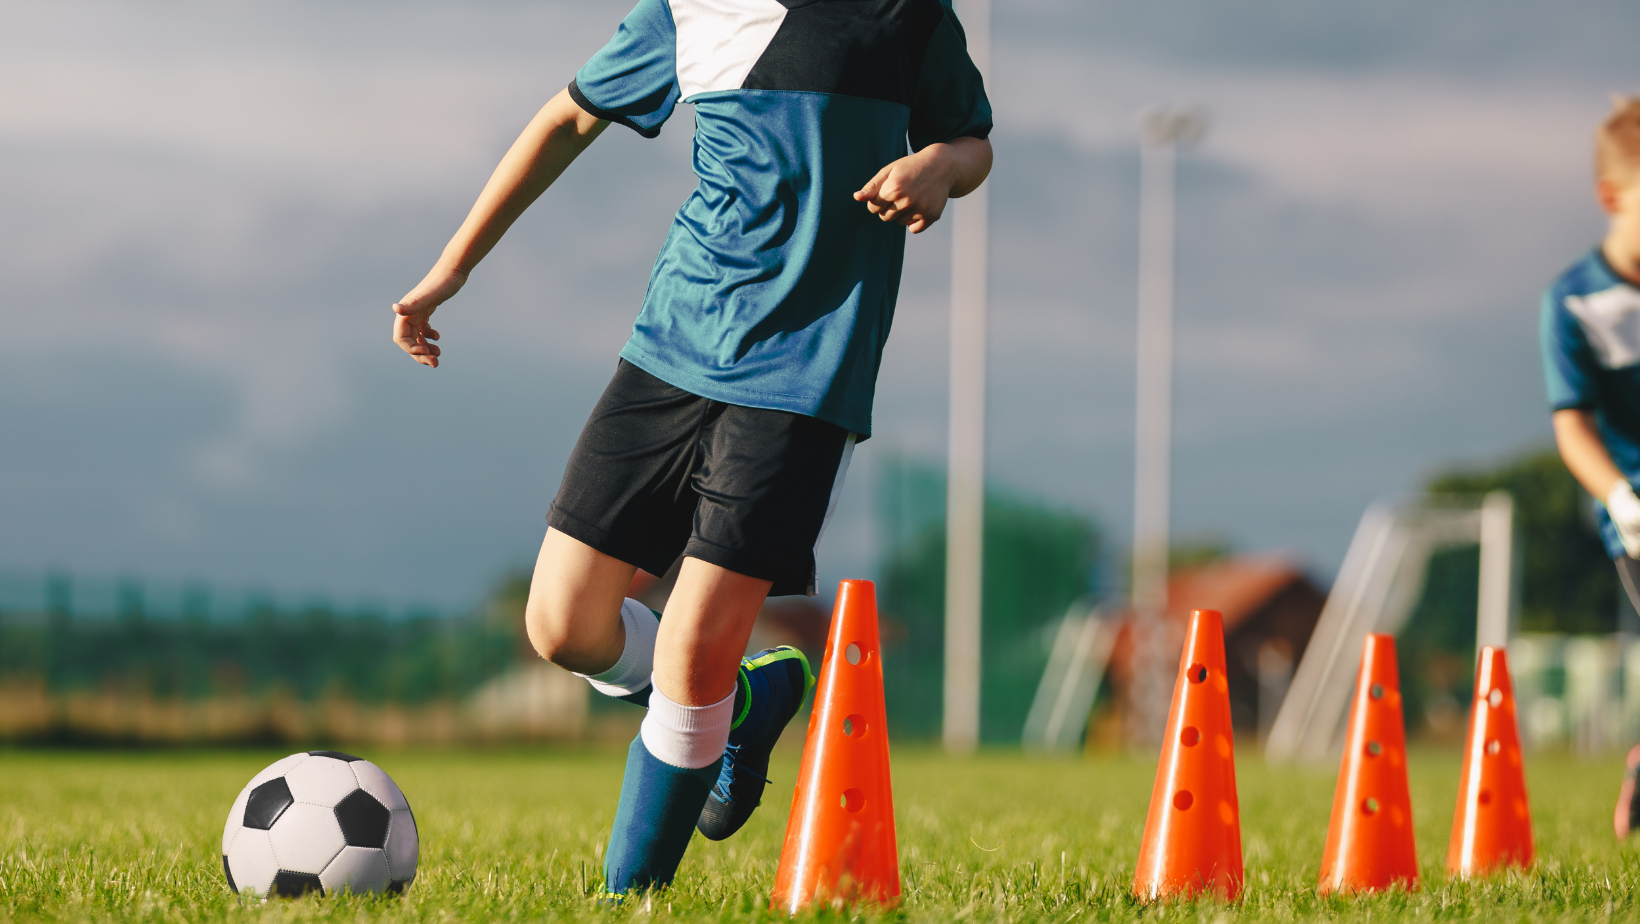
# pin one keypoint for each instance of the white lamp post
(965, 485)
(1163, 132)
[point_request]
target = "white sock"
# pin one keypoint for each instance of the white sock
(631, 671)
(690, 737)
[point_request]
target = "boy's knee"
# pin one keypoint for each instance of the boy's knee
(549, 630)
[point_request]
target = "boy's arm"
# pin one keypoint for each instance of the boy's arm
(557, 134)
(1578, 438)
(913, 190)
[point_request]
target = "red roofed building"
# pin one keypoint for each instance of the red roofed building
(1270, 608)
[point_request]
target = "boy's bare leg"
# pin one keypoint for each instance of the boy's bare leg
(573, 616)
(707, 624)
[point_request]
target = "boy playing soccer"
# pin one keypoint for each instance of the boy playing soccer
(1591, 358)
(727, 428)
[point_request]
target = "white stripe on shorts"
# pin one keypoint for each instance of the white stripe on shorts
(831, 508)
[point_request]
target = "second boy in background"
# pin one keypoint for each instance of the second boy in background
(1591, 359)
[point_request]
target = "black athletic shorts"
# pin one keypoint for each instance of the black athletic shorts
(659, 472)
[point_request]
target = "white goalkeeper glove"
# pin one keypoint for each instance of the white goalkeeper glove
(1624, 508)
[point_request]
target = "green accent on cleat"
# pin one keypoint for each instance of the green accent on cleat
(772, 686)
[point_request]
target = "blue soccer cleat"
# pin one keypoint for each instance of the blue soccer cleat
(773, 684)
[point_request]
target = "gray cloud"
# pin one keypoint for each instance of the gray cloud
(205, 210)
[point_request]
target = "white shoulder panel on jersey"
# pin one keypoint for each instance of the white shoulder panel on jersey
(1611, 319)
(720, 40)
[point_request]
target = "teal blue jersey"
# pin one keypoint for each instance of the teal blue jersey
(1591, 359)
(775, 289)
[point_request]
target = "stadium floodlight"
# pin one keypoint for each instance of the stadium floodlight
(1162, 132)
(1376, 589)
(965, 478)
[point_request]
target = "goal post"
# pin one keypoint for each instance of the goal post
(1377, 587)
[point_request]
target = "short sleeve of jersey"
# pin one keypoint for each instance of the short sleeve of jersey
(633, 80)
(949, 101)
(1568, 361)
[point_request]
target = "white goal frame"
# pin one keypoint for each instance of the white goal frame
(1377, 586)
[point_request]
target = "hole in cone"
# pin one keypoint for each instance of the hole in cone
(853, 654)
(1374, 749)
(1493, 747)
(1486, 797)
(854, 726)
(1369, 806)
(1495, 698)
(852, 800)
(1182, 800)
(1376, 691)
(1197, 673)
(1190, 737)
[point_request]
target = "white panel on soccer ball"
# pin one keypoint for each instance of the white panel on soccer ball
(277, 768)
(251, 861)
(306, 838)
(362, 869)
(403, 845)
(236, 819)
(374, 780)
(321, 780)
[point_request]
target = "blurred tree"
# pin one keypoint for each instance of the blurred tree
(1038, 561)
(309, 651)
(1566, 582)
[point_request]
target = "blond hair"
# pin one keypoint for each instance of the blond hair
(1617, 141)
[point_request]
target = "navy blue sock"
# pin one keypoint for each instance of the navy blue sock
(659, 806)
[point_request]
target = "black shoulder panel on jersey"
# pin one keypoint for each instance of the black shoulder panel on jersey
(868, 48)
(593, 109)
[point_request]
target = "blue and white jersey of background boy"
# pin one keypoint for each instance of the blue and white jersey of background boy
(1591, 358)
(775, 288)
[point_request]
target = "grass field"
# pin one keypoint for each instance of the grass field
(517, 835)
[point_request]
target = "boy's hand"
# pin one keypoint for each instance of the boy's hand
(913, 190)
(410, 328)
(1624, 509)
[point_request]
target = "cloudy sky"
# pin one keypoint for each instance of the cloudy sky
(206, 209)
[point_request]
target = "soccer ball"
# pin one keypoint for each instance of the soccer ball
(320, 821)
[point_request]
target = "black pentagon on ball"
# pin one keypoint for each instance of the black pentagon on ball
(397, 886)
(295, 885)
(266, 803)
(229, 872)
(363, 819)
(336, 754)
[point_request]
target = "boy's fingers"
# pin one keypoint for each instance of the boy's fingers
(869, 190)
(429, 333)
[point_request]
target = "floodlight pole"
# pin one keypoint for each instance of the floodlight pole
(1496, 582)
(965, 468)
(1162, 132)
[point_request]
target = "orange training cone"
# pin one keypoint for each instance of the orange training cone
(1369, 842)
(1493, 825)
(840, 837)
(1192, 838)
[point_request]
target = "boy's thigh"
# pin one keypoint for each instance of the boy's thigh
(626, 490)
(766, 482)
